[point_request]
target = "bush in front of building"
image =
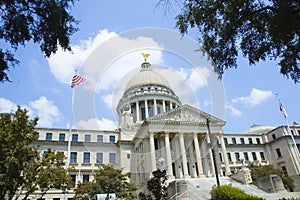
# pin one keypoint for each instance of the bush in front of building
(227, 192)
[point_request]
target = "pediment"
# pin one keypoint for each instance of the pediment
(187, 113)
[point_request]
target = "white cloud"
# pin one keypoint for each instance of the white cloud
(64, 63)
(256, 97)
(96, 124)
(7, 106)
(45, 110)
(234, 112)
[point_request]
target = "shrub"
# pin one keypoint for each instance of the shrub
(227, 192)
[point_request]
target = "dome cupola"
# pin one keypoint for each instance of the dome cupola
(147, 93)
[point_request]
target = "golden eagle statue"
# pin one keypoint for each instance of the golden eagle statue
(145, 55)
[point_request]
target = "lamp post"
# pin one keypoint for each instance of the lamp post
(213, 152)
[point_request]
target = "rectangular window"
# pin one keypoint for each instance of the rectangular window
(250, 141)
(284, 171)
(86, 157)
(246, 158)
(254, 156)
(225, 140)
(128, 156)
(143, 113)
(221, 158)
(99, 138)
(74, 137)
(258, 140)
(48, 136)
(112, 157)
(156, 143)
(150, 111)
(262, 155)
(229, 157)
(73, 158)
(158, 110)
(237, 156)
(242, 140)
(87, 138)
(61, 137)
(278, 152)
(273, 136)
(233, 140)
(99, 158)
(85, 178)
(112, 139)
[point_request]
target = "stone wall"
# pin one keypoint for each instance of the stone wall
(243, 176)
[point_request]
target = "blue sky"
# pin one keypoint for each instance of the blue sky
(106, 51)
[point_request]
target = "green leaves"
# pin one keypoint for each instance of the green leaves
(46, 22)
(22, 166)
(106, 180)
(258, 29)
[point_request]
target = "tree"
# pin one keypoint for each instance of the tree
(22, 165)
(46, 22)
(45, 173)
(157, 186)
(259, 171)
(106, 180)
(260, 29)
(16, 133)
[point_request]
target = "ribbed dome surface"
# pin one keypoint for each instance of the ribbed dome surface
(147, 77)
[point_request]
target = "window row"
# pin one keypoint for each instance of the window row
(243, 156)
(242, 141)
(87, 158)
(87, 138)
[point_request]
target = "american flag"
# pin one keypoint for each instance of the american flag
(77, 80)
(282, 110)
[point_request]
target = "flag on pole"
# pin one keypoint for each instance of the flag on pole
(77, 80)
(282, 110)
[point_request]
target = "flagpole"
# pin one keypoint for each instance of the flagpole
(69, 143)
(288, 126)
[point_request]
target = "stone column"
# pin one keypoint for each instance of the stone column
(224, 152)
(137, 111)
(171, 105)
(152, 153)
(178, 166)
(146, 109)
(155, 107)
(183, 156)
(164, 105)
(198, 155)
(192, 166)
(168, 156)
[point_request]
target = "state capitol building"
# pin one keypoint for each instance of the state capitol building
(157, 131)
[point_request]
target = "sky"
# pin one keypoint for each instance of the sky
(107, 53)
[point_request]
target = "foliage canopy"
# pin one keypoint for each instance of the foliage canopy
(225, 192)
(261, 29)
(22, 166)
(106, 180)
(157, 186)
(46, 22)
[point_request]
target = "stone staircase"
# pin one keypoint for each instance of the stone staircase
(197, 189)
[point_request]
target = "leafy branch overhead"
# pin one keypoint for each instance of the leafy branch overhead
(259, 29)
(46, 22)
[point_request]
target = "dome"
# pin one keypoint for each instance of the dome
(258, 129)
(147, 77)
